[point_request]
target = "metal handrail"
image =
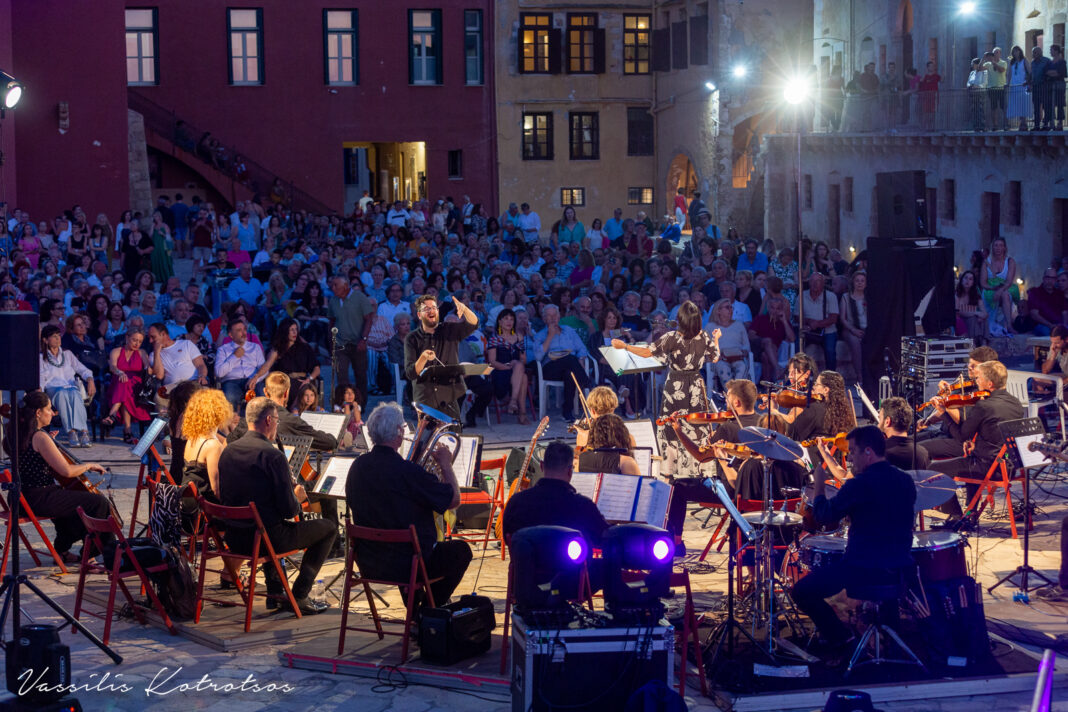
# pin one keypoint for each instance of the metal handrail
(257, 178)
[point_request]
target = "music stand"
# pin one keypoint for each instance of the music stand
(624, 363)
(296, 449)
(152, 433)
(1018, 435)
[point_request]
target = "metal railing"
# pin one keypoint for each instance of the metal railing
(247, 172)
(954, 111)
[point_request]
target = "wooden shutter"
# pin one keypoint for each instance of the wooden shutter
(679, 58)
(661, 50)
(598, 50)
(555, 51)
(699, 40)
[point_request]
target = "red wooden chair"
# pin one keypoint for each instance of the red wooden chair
(212, 546)
(417, 580)
(689, 634)
(115, 573)
(997, 477)
(495, 500)
(26, 516)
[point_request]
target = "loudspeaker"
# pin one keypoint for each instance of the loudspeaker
(902, 203)
(901, 274)
(20, 351)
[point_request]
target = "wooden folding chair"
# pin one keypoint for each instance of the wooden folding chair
(417, 580)
(689, 634)
(997, 477)
(212, 546)
(26, 516)
(143, 475)
(724, 520)
(116, 573)
(495, 500)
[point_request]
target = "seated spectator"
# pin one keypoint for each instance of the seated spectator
(971, 311)
(59, 370)
(751, 260)
(997, 279)
(175, 361)
(307, 400)
(1057, 358)
(771, 329)
(559, 349)
(733, 343)
(345, 402)
(84, 348)
(506, 355)
(244, 287)
(291, 355)
(1048, 305)
(127, 363)
(236, 362)
(237, 255)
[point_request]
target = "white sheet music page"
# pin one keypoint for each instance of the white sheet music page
(585, 483)
(464, 464)
(334, 477)
(644, 434)
(644, 458)
(617, 495)
(653, 499)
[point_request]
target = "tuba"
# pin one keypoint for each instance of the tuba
(433, 427)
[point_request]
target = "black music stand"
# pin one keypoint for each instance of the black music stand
(1018, 435)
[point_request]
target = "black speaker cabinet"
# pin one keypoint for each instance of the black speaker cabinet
(902, 203)
(20, 351)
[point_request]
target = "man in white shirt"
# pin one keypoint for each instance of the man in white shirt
(394, 303)
(175, 361)
(245, 287)
(466, 210)
(236, 362)
(821, 316)
(529, 222)
(398, 216)
(366, 201)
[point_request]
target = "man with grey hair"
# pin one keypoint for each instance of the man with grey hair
(385, 491)
(559, 349)
(252, 470)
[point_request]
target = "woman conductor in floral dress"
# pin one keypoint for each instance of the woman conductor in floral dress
(685, 351)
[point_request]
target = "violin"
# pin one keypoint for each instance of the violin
(250, 394)
(706, 418)
(790, 398)
(945, 392)
(732, 449)
(961, 400)
(839, 441)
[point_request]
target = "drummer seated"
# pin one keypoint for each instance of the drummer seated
(879, 501)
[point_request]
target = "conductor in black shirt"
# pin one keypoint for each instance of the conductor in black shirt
(434, 343)
(385, 491)
(879, 501)
(252, 469)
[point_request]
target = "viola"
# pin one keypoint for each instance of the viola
(790, 398)
(705, 418)
(961, 400)
(946, 391)
(839, 441)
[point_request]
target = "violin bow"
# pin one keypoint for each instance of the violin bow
(582, 399)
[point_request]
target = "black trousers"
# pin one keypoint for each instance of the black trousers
(811, 591)
(963, 466)
(314, 536)
(482, 388)
(684, 492)
(61, 505)
(561, 370)
(449, 559)
(943, 448)
(348, 355)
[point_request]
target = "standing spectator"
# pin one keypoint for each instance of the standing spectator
(162, 263)
(996, 77)
(570, 229)
(529, 224)
(181, 224)
(680, 208)
(854, 310)
(1055, 77)
(377, 342)
(350, 309)
(821, 315)
(696, 206)
(1041, 99)
(833, 98)
(1019, 77)
(613, 227)
(971, 313)
(928, 93)
(977, 78)
(1047, 304)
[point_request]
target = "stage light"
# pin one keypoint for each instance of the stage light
(739, 71)
(10, 90)
(661, 549)
(637, 571)
(796, 90)
(852, 249)
(547, 566)
(711, 86)
(1019, 281)
(966, 8)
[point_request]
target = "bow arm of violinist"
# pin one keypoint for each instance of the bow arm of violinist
(690, 446)
(833, 466)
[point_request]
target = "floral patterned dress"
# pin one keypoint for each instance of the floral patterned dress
(684, 390)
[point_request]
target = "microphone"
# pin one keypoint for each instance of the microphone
(769, 384)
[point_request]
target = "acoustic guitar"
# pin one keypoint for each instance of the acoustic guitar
(521, 482)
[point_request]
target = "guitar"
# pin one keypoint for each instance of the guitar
(520, 482)
(1054, 450)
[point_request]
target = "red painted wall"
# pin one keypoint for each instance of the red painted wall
(73, 52)
(295, 126)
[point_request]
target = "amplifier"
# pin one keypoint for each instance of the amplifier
(958, 361)
(924, 388)
(937, 344)
(456, 631)
(586, 670)
(956, 627)
(921, 373)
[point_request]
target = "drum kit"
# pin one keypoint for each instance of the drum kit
(810, 545)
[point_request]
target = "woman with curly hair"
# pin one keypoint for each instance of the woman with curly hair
(829, 416)
(609, 448)
(208, 410)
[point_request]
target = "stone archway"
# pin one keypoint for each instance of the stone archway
(681, 174)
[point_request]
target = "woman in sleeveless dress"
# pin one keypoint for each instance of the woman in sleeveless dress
(127, 364)
(609, 448)
(208, 410)
(998, 282)
(505, 353)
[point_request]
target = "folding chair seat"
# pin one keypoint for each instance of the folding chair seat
(26, 516)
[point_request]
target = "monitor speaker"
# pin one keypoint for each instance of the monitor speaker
(20, 351)
(902, 203)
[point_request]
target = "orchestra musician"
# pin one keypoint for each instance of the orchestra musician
(685, 351)
(822, 418)
(895, 420)
(602, 400)
(385, 491)
(41, 464)
(977, 434)
(434, 343)
(879, 500)
(800, 372)
(252, 469)
(939, 443)
(609, 448)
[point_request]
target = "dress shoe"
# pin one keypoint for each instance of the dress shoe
(310, 607)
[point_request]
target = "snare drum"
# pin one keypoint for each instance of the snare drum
(808, 518)
(939, 555)
(819, 551)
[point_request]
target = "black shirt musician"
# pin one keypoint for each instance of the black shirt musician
(434, 343)
(895, 420)
(385, 491)
(879, 501)
(252, 469)
(981, 423)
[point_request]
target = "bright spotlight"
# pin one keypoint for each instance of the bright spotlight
(796, 90)
(10, 90)
(967, 8)
(711, 86)
(739, 71)
(574, 550)
(662, 548)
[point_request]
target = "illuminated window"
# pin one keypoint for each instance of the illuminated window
(575, 197)
(142, 60)
(535, 37)
(245, 36)
(340, 42)
(636, 44)
(537, 137)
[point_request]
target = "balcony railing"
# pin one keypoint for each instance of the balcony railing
(168, 125)
(954, 111)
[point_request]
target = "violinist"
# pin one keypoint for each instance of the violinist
(981, 423)
(833, 414)
(41, 464)
(800, 370)
(609, 448)
(602, 400)
(944, 445)
(895, 420)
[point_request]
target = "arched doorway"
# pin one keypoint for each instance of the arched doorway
(680, 174)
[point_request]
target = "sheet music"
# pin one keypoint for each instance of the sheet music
(335, 475)
(585, 483)
(620, 360)
(617, 496)
(152, 433)
(331, 423)
(653, 499)
(466, 461)
(405, 447)
(644, 456)
(644, 434)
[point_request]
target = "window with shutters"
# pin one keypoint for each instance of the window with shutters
(339, 27)
(1014, 195)
(424, 56)
(584, 140)
(456, 163)
(847, 194)
(537, 136)
(636, 43)
(699, 40)
(679, 55)
(639, 131)
(245, 38)
(948, 211)
(535, 40)
(142, 36)
(640, 196)
(580, 42)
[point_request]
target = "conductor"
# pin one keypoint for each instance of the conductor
(430, 349)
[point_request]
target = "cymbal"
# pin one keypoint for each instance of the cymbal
(774, 519)
(932, 489)
(770, 444)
